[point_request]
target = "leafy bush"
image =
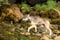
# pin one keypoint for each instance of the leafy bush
(25, 7)
(37, 7)
(51, 4)
(5, 1)
(40, 7)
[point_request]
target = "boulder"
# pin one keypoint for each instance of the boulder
(11, 12)
(53, 13)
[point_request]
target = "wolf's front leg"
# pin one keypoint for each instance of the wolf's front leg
(29, 28)
(35, 29)
(33, 26)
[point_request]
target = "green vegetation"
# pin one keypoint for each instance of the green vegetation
(40, 7)
(50, 4)
(6, 1)
(25, 7)
(58, 7)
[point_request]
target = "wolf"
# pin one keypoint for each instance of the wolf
(35, 20)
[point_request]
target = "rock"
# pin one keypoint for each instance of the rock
(53, 13)
(37, 34)
(11, 12)
(17, 12)
(57, 38)
(25, 33)
(45, 38)
(55, 21)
